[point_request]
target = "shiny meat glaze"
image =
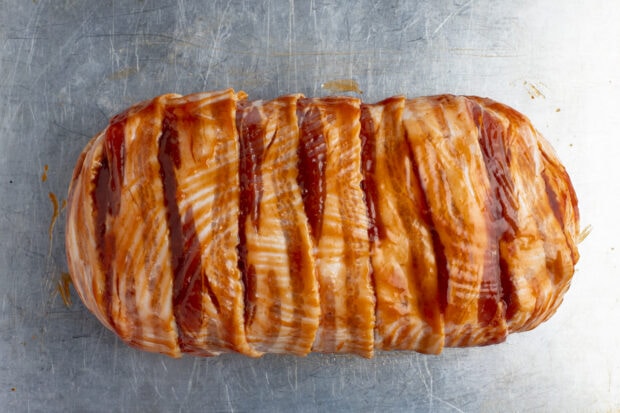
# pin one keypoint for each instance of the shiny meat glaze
(199, 157)
(209, 223)
(458, 194)
(276, 256)
(340, 227)
(402, 252)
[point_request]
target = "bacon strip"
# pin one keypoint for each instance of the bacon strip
(131, 284)
(138, 272)
(455, 181)
(538, 255)
(275, 235)
(341, 237)
(404, 267)
(208, 302)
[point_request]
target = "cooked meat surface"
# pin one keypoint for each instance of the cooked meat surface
(210, 223)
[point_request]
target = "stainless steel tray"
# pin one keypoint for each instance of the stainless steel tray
(67, 66)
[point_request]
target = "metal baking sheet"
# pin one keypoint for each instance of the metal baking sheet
(67, 66)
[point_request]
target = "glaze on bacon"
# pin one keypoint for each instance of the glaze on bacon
(209, 223)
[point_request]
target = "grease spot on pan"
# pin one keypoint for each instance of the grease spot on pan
(342, 85)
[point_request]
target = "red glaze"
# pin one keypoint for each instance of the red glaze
(184, 246)
(312, 157)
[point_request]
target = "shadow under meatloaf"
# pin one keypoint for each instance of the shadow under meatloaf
(210, 223)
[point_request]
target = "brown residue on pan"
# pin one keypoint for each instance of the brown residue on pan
(342, 85)
(123, 73)
(44, 175)
(584, 234)
(533, 90)
(62, 286)
(54, 200)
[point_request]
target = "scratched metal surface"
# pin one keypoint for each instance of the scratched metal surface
(67, 66)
